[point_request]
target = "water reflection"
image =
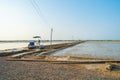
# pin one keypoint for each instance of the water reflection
(93, 49)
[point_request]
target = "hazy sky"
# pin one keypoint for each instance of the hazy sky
(70, 19)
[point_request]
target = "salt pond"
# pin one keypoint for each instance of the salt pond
(93, 49)
(12, 45)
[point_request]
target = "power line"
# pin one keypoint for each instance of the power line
(38, 10)
(34, 7)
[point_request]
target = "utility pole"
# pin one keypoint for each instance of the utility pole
(51, 38)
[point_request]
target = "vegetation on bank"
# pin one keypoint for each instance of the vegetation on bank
(105, 40)
(35, 40)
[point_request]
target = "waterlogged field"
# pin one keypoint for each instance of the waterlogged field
(93, 49)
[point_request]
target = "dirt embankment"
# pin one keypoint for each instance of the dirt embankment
(23, 70)
(47, 48)
(52, 48)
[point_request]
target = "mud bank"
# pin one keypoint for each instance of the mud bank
(24, 70)
(44, 51)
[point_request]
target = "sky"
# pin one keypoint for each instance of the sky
(70, 19)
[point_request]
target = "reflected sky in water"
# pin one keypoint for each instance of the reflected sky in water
(93, 49)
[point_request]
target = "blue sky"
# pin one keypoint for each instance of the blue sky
(70, 19)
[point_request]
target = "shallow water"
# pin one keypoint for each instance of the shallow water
(92, 49)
